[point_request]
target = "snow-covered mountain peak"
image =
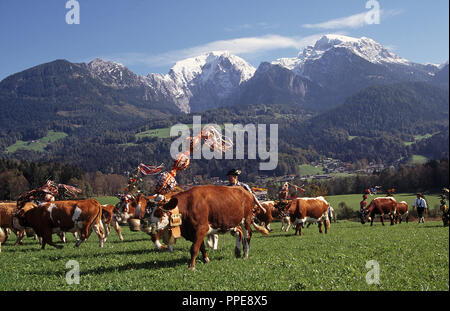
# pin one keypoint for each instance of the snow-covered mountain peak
(112, 73)
(100, 65)
(205, 65)
(364, 47)
(190, 80)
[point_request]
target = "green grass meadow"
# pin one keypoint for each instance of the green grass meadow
(37, 145)
(410, 257)
(107, 200)
(306, 169)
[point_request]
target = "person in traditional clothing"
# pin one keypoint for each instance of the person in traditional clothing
(421, 206)
(284, 192)
(362, 207)
(232, 176)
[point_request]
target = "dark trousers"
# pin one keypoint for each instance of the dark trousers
(420, 211)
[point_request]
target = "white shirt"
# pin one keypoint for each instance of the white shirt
(420, 203)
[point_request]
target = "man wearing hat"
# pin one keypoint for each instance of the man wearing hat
(233, 181)
(421, 205)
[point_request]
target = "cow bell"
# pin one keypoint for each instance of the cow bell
(175, 218)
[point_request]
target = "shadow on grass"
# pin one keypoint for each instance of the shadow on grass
(149, 265)
(125, 240)
(20, 249)
(113, 252)
(273, 235)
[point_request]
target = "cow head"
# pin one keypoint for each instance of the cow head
(160, 215)
(364, 216)
(122, 208)
(20, 219)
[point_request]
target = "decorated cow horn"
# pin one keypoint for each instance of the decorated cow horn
(212, 138)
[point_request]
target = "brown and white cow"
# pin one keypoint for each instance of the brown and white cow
(331, 217)
(7, 211)
(129, 208)
(66, 216)
(108, 219)
(281, 212)
(381, 206)
(303, 210)
(207, 210)
(159, 200)
(266, 217)
(401, 210)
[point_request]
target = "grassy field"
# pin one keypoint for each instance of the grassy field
(418, 159)
(36, 145)
(417, 138)
(164, 132)
(306, 169)
(410, 257)
(107, 200)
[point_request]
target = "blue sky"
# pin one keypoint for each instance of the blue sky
(148, 36)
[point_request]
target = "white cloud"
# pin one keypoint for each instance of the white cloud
(353, 21)
(238, 46)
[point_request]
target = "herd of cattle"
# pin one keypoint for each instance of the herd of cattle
(198, 213)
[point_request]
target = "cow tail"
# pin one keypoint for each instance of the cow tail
(261, 229)
(98, 218)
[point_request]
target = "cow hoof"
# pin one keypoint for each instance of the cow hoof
(206, 260)
(237, 253)
(192, 268)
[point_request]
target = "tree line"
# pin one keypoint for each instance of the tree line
(430, 177)
(17, 177)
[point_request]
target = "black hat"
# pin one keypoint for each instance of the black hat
(234, 172)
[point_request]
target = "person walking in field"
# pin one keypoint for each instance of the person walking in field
(421, 206)
(232, 176)
(444, 207)
(362, 206)
(284, 192)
